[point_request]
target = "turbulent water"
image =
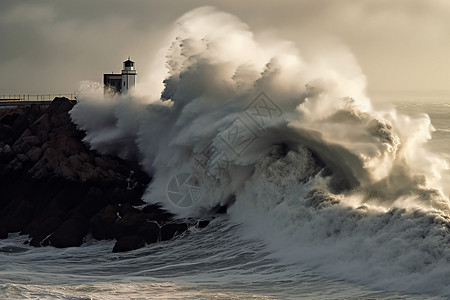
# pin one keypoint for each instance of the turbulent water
(331, 193)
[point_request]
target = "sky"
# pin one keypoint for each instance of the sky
(50, 46)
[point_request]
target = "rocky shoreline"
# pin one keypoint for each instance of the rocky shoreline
(57, 191)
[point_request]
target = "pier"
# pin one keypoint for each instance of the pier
(32, 99)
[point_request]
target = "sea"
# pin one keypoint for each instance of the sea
(366, 256)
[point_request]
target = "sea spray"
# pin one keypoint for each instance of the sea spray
(293, 146)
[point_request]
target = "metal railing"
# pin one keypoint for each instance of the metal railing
(35, 97)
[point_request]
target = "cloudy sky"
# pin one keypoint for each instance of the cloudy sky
(49, 46)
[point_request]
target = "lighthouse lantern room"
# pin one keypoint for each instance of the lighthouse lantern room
(128, 76)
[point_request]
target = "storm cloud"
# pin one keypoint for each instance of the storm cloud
(50, 46)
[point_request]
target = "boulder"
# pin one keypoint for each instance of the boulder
(3, 234)
(70, 233)
(102, 224)
(154, 212)
(54, 188)
(19, 217)
(149, 231)
(168, 231)
(127, 208)
(129, 224)
(128, 243)
(203, 223)
(44, 229)
(92, 202)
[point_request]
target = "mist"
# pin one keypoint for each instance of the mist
(216, 73)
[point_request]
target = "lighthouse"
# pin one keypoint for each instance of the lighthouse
(128, 76)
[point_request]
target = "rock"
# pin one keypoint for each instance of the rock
(3, 234)
(149, 231)
(92, 203)
(127, 196)
(128, 243)
(54, 188)
(6, 154)
(13, 249)
(60, 105)
(19, 217)
(154, 212)
(102, 224)
(203, 223)
(9, 119)
(34, 154)
(127, 208)
(168, 231)
(44, 229)
(5, 135)
(129, 224)
(70, 233)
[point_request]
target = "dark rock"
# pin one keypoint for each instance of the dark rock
(219, 209)
(44, 229)
(54, 188)
(126, 196)
(3, 234)
(60, 105)
(149, 231)
(5, 135)
(128, 243)
(168, 231)
(46, 242)
(127, 208)
(129, 224)
(19, 216)
(203, 223)
(9, 119)
(92, 203)
(13, 249)
(70, 233)
(102, 224)
(154, 212)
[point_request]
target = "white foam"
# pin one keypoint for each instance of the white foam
(298, 184)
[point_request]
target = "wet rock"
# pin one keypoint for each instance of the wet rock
(44, 229)
(149, 231)
(203, 223)
(70, 233)
(129, 224)
(92, 203)
(127, 208)
(154, 212)
(6, 153)
(168, 231)
(54, 188)
(128, 243)
(19, 216)
(102, 224)
(9, 119)
(13, 249)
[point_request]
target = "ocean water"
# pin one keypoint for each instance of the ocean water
(264, 250)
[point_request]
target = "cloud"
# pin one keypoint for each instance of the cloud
(52, 45)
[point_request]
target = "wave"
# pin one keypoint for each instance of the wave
(294, 148)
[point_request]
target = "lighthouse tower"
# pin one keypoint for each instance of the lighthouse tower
(128, 76)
